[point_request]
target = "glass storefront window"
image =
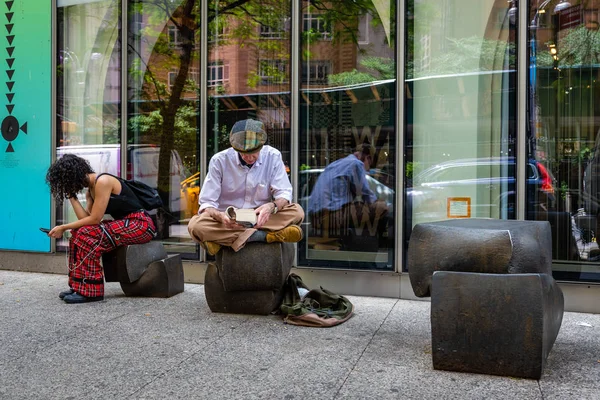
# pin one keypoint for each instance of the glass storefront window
(564, 131)
(88, 87)
(249, 71)
(162, 110)
(347, 146)
(460, 109)
(460, 103)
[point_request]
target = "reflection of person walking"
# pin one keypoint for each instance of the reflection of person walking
(248, 175)
(342, 200)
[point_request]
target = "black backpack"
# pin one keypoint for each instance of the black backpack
(148, 196)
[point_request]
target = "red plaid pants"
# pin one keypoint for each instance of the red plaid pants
(88, 243)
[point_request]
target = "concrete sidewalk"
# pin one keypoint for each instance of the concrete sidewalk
(145, 348)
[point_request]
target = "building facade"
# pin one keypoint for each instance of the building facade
(470, 108)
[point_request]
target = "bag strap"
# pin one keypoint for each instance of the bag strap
(92, 281)
(123, 183)
(291, 302)
(106, 173)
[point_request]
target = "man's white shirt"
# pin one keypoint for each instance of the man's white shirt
(230, 183)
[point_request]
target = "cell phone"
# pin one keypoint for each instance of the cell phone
(45, 230)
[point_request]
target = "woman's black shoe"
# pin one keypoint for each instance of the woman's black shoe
(76, 298)
(65, 293)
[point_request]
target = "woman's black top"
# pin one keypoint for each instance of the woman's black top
(119, 205)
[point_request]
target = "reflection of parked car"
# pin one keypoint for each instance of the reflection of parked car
(142, 166)
(479, 177)
(190, 190)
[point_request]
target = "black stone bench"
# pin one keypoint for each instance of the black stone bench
(249, 281)
(144, 270)
(495, 308)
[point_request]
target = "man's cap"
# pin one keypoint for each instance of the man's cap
(247, 136)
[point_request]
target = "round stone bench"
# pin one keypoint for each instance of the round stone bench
(249, 281)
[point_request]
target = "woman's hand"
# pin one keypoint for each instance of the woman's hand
(57, 232)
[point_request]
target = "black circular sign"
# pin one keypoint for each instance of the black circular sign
(10, 128)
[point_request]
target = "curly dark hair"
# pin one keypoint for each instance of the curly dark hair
(68, 176)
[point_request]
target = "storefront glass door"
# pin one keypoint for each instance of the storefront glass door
(564, 129)
(460, 110)
(347, 143)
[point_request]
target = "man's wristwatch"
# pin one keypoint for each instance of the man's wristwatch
(275, 209)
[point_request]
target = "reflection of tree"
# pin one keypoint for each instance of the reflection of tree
(262, 28)
(459, 55)
(150, 127)
(164, 119)
(427, 12)
(379, 69)
(161, 121)
(580, 46)
(339, 18)
(470, 54)
(342, 17)
(577, 55)
(184, 131)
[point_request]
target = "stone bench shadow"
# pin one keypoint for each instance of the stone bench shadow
(495, 308)
(249, 281)
(144, 270)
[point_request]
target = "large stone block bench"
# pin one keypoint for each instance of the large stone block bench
(144, 270)
(495, 308)
(250, 281)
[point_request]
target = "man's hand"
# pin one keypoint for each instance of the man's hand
(263, 214)
(222, 218)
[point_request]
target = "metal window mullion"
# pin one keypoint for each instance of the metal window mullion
(53, 105)
(203, 100)
(124, 68)
(522, 108)
(295, 93)
(295, 99)
(399, 158)
(204, 76)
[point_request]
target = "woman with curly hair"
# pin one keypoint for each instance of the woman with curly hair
(90, 235)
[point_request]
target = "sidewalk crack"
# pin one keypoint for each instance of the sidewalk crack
(163, 373)
(365, 349)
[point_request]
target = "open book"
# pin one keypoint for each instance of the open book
(243, 216)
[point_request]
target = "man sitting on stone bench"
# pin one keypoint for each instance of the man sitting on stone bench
(247, 175)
